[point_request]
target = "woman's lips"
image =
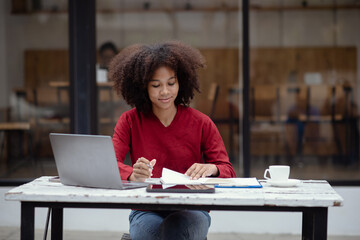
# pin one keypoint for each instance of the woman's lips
(164, 100)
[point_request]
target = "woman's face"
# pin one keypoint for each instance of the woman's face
(163, 88)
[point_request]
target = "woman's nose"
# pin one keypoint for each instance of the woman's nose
(164, 90)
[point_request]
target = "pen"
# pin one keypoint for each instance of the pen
(149, 165)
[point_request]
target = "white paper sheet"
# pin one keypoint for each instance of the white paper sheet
(173, 177)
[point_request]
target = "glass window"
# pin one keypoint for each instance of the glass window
(34, 80)
(304, 81)
(303, 78)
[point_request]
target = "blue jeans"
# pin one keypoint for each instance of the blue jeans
(186, 224)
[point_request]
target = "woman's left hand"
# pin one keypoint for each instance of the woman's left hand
(198, 170)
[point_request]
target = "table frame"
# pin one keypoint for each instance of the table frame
(314, 219)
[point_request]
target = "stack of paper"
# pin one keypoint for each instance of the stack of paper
(172, 177)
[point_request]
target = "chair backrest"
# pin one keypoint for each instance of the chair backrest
(4, 114)
(47, 103)
(263, 101)
(213, 96)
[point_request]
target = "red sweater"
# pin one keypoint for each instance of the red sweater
(190, 138)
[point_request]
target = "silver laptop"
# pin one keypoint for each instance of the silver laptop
(88, 161)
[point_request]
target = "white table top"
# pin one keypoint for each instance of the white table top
(307, 194)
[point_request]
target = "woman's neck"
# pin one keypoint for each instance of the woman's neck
(166, 116)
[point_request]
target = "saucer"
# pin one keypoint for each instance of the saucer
(288, 183)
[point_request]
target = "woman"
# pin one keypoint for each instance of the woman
(162, 131)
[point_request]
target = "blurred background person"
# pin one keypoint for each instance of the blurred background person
(106, 52)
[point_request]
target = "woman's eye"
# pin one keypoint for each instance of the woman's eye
(171, 84)
(155, 86)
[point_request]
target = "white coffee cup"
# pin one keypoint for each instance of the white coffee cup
(278, 172)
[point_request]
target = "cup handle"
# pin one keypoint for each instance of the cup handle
(265, 173)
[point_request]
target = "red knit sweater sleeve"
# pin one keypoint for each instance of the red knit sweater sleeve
(121, 142)
(214, 150)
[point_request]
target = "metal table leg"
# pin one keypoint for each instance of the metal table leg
(314, 224)
(27, 221)
(57, 223)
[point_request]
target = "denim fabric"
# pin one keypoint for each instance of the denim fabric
(187, 224)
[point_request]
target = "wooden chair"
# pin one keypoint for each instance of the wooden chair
(263, 102)
(49, 113)
(212, 97)
(266, 134)
(8, 127)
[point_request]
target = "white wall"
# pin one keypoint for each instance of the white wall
(341, 220)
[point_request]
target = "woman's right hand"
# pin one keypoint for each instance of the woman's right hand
(142, 169)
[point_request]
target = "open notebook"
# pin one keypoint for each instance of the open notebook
(171, 177)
